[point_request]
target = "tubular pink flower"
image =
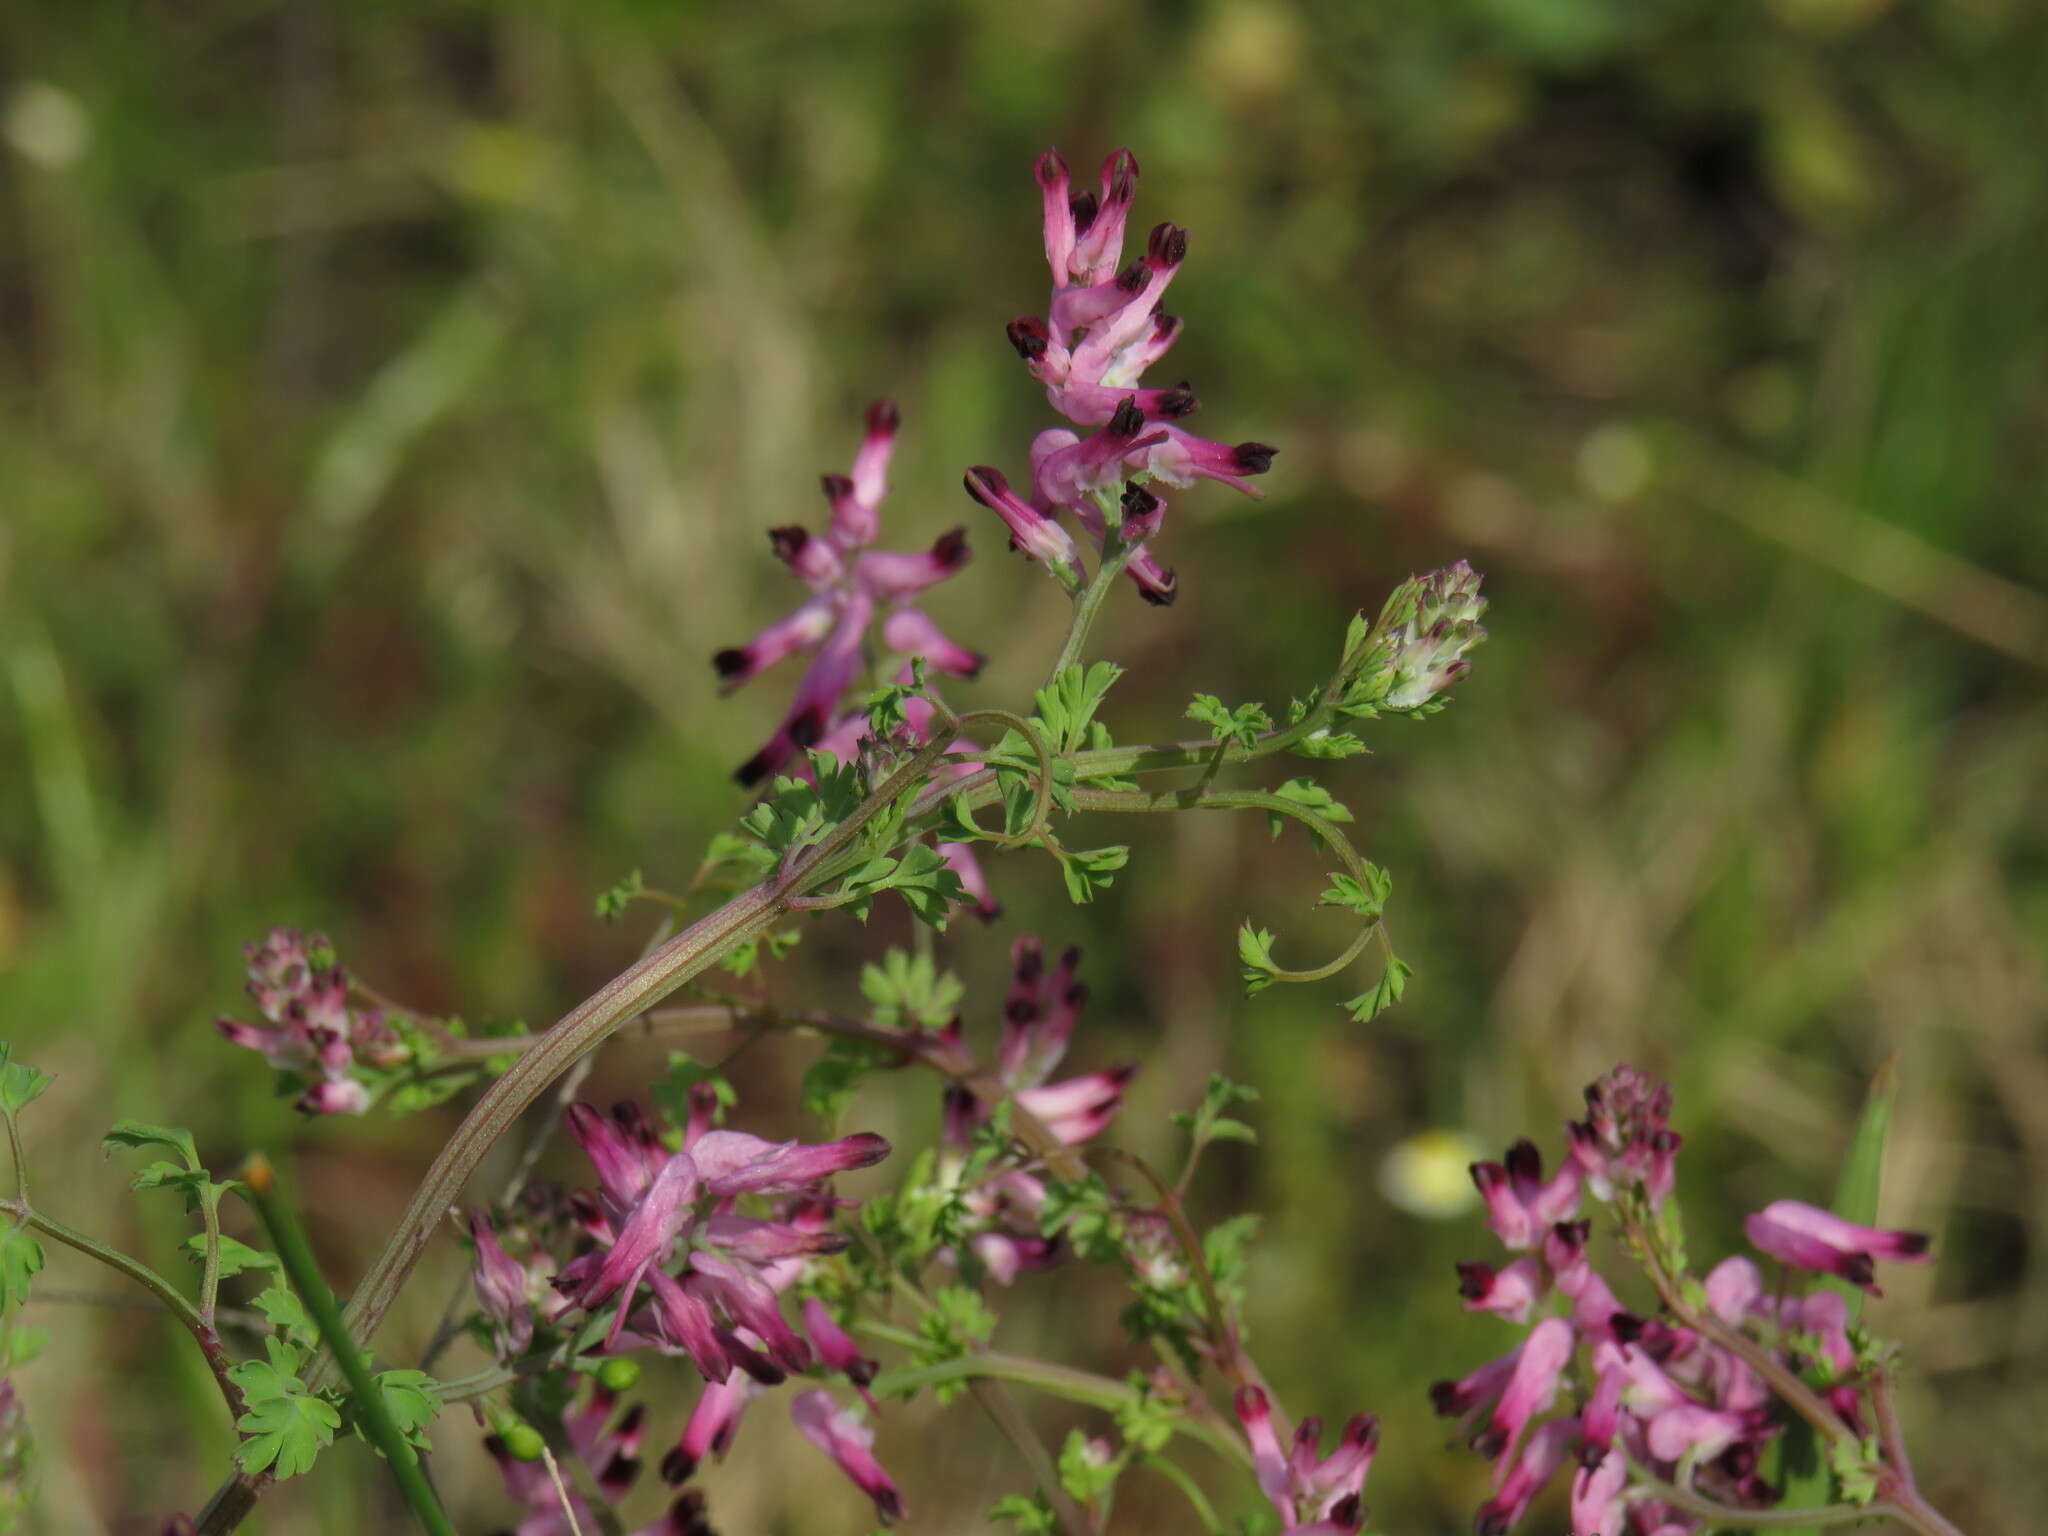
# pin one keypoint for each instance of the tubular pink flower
(1510, 1293)
(1807, 1237)
(751, 1302)
(734, 1163)
(1537, 1465)
(1693, 1429)
(1597, 1508)
(1032, 533)
(660, 1216)
(1530, 1389)
(911, 631)
(500, 1282)
(962, 860)
(1460, 1399)
(1040, 1013)
(1157, 585)
(1099, 239)
(1051, 174)
(335, 1096)
(1079, 1108)
(1734, 1287)
(1313, 1493)
(836, 1348)
(850, 584)
(850, 1444)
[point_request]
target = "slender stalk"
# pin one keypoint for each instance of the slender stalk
(20, 1161)
(1176, 1474)
(371, 1411)
(997, 1403)
(209, 1279)
(1075, 1386)
(174, 1301)
(1087, 604)
(1721, 1516)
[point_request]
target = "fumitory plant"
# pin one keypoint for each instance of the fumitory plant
(689, 1235)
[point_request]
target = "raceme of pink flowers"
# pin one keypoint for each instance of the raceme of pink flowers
(1648, 1392)
(312, 1032)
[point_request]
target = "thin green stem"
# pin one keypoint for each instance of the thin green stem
(1728, 1517)
(1087, 604)
(372, 1413)
(202, 1331)
(209, 1279)
(1075, 1386)
(1002, 1409)
(1176, 1474)
(20, 1160)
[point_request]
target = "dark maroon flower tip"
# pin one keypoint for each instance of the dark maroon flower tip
(1121, 172)
(1178, 401)
(1082, 206)
(888, 1504)
(1050, 168)
(1029, 958)
(1363, 1430)
(752, 771)
(1309, 1432)
(729, 662)
(1077, 995)
(788, 542)
(1524, 1161)
(1128, 421)
(677, 1467)
(951, 549)
(1487, 1176)
(976, 661)
(1474, 1280)
(1489, 1443)
(1137, 501)
(1575, 1233)
(1626, 1327)
(1255, 458)
(1348, 1513)
(807, 728)
(983, 482)
(837, 488)
(1444, 1398)
(1120, 1075)
(1911, 1244)
(1070, 957)
(1132, 278)
(1492, 1522)
(1168, 246)
(989, 912)
(883, 416)
(1029, 336)
(1858, 1269)
(1162, 595)
(621, 1472)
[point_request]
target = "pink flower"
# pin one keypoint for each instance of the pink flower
(1626, 1140)
(1520, 1206)
(849, 586)
(849, 1443)
(1509, 1293)
(1104, 326)
(1314, 1493)
(1807, 1237)
(1537, 1465)
(501, 1285)
(1530, 1389)
(303, 991)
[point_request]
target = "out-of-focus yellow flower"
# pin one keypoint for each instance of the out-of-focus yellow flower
(1429, 1174)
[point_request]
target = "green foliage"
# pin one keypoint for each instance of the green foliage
(413, 1400)
(959, 1320)
(1066, 709)
(1255, 959)
(910, 991)
(20, 1085)
(1367, 898)
(1312, 797)
(612, 903)
(1031, 1515)
(287, 1426)
(1085, 1472)
(21, 1260)
(235, 1257)
(1382, 994)
(1242, 725)
(280, 1304)
(834, 1078)
(1209, 1123)
(1088, 871)
(918, 874)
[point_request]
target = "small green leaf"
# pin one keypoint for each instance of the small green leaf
(21, 1260)
(20, 1086)
(612, 903)
(281, 1305)
(135, 1133)
(1090, 870)
(1255, 958)
(1242, 725)
(1368, 897)
(1383, 994)
(286, 1433)
(414, 1401)
(1310, 796)
(235, 1257)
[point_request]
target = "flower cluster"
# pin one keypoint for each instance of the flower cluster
(683, 1271)
(313, 1034)
(850, 584)
(1105, 325)
(1316, 1495)
(611, 1450)
(1678, 1396)
(1430, 624)
(1039, 1016)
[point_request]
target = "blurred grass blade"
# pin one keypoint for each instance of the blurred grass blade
(1802, 1474)
(56, 764)
(415, 389)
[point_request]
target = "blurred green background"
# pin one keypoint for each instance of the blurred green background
(395, 398)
